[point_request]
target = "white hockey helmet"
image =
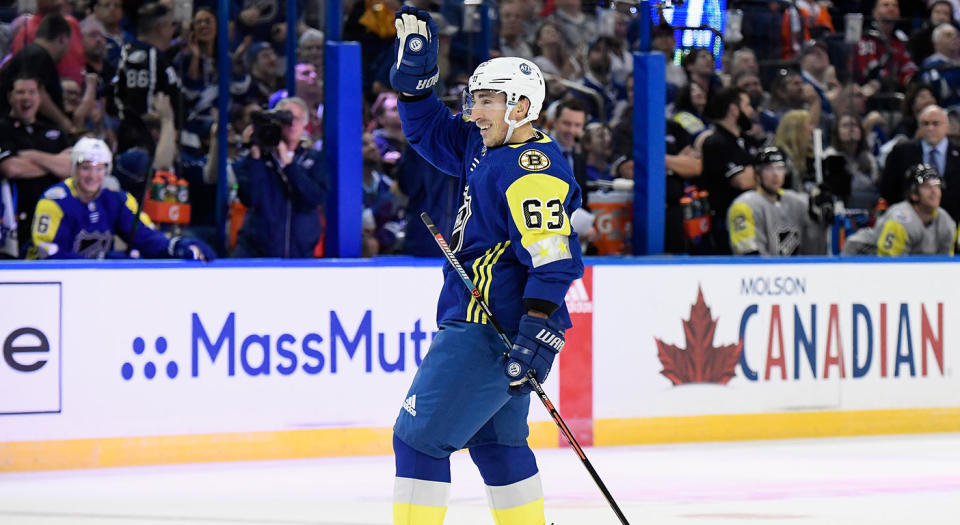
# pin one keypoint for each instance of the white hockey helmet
(514, 77)
(89, 149)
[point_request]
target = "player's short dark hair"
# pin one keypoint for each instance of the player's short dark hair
(52, 27)
(573, 104)
(149, 15)
(718, 102)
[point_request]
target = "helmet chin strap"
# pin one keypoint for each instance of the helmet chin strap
(512, 124)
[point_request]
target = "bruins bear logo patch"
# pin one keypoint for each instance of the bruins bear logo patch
(534, 160)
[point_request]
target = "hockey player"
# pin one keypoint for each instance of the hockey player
(513, 237)
(769, 220)
(77, 218)
(917, 225)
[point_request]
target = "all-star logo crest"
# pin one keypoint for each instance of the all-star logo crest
(700, 361)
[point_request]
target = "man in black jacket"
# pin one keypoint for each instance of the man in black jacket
(932, 147)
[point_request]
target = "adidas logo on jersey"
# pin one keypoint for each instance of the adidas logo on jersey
(577, 298)
(554, 341)
(410, 405)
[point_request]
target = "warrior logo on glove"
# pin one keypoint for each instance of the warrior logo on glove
(416, 44)
(514, 369)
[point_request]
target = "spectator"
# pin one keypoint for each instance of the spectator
(282, 188)
(66, 227)
(795, 140)
(143, 71)
(919, 96)
(770, 220)
(80, 104)
(920, 44)
(567, 129)
(915, 226)
(683, 165)
(159, 144)
(389, 137)
(264, 70)
(788, 92)
(698, 64)
(689, 107)
(933, 148)
(70, 63)
(849, 168)
(814, 65)
(33, 156)
(310, 49)
(597, 79)
(664, 41)
(95, 53)
(801, 20)
(197, 64)
(597, 148)
(383, 223)
(621, 59)
(750, 84)
(942, 69)
(576, 26)
(881, 61)
(744, 61)
(110, 14)
(514, 17)
(38, 59)
(553, 56)
(727, 165)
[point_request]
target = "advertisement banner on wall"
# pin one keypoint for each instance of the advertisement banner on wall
(739, 339)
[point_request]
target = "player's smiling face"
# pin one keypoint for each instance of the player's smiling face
(89, 177)
(487, 113)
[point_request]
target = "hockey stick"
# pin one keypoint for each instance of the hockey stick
(452, 259)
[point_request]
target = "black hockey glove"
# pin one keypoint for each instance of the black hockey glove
(538, 341)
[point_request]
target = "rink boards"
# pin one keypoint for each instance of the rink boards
(120, 364)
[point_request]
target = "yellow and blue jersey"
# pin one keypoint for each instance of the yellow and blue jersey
(64, 227)
(512, 233)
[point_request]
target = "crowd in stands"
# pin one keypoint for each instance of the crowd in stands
(851, 115)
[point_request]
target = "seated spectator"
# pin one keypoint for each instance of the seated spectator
(689, 107)
(920, 44)
(744, 61)
(788, 92)
(78, 218)
(264, 71)
(310, 49)
(382, 213)
(514, 19)
(933, 148)
(80, 104)
(597, 80)
(801, 21)
(795, 140)
(567, 130)
(942, 69)
(814, 66)
(919, 96)
(282, 186)
(699, 66)
(881, 61)
(915, 226)
(110, 14)
(388, 135)
(597, 144)
(621, 59)
(849, 167)
(70, 63)
(576, 26)
(770, 220)
(38, 59)
(197, 62)
(553, 57)
(33, 157)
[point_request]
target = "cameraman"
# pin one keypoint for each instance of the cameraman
(282, 186)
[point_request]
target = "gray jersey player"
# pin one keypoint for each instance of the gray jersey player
(770, 220)
(917, 225)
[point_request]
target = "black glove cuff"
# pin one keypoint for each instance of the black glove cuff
(403, 97)
(540, 305)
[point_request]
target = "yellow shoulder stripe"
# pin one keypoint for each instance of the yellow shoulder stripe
(131, 205)
(892, 239)
(742, 228)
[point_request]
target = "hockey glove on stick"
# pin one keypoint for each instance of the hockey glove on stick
(416, 48)
(538, 342)
(190, 249)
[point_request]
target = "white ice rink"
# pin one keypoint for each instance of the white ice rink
(870, 480)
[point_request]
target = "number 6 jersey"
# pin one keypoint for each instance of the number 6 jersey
(512, 234)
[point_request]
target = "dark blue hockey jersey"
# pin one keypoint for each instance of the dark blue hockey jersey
(66, 228)
(512, 234)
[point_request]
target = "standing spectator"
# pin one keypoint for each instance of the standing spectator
(597, 78)
(727, 165)
(881, 61)
(197, 64)
(95, 53)
(849, 161)
(78, 218)
(664, 41)
(920, 44)
(110, 14)
(689, 107)
(814, 64)
(915, 226)
(389, 137)
(143, 71)
(933, 148)
(514, 17)
(383, 224)
(770, 220)
(942, 69)
(264, 70)
(80, 104)
(70, 64)
(38, 59)
(553, 56)
(801, 20)
(33, 155)
(683, 164)
(621, 59)
(310, 49)
(794, 138)
(282, 188)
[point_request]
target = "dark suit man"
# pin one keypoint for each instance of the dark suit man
(934, 148)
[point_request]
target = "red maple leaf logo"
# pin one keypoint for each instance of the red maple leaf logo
(700, 362)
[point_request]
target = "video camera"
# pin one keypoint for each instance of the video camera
(268, 127)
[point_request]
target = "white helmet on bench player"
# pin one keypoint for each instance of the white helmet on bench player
(514, 77)
(89, 149)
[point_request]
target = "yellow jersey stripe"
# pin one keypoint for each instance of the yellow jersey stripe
(479, 316)
(486, 288)
(473, 308)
